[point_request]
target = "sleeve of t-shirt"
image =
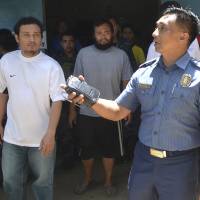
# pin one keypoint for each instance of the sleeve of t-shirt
(56, 79)
(127, 69)
(78, 68)
(2, 78)
(128, 97)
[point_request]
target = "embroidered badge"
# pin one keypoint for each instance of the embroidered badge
(186, 80)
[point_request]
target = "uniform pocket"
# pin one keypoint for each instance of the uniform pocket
(182, 92)
(183, 97)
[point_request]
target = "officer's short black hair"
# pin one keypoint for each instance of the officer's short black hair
(186, 19)
(168, 4)
(27, 21)
(101, 21)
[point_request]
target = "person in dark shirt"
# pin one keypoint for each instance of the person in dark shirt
(67, 58)
(7, 42)
(65, 139)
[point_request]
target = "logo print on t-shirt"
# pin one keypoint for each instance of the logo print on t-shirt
(12, 75)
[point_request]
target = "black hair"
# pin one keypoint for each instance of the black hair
(169, 4)
(27, 21)
(68, 33)
(102, 21)
(128, 26)
(186, 19)
(7, 40)
(114, 18)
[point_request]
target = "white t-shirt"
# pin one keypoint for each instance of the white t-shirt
(193, 50)
(31, 83)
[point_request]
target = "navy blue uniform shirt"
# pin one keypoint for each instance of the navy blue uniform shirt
(170, 103)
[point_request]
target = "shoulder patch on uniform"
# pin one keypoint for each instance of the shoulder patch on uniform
(149, 62)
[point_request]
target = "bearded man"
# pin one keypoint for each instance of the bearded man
(107, 68)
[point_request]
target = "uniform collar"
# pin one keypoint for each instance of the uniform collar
(182, 62)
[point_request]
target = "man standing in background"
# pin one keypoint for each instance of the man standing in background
(107, 68)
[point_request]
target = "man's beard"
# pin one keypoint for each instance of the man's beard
(103, 46)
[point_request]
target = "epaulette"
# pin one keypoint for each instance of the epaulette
(149, 62)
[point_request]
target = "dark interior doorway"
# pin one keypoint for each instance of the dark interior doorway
(79, 14)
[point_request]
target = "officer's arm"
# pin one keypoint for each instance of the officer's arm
(110, 110)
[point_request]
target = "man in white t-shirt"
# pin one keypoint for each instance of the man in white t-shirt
(33, 109)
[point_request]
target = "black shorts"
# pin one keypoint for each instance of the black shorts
(97, 136)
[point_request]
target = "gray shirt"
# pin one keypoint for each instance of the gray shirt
(103, 69)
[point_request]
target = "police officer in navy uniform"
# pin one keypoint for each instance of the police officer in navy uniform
(168, 90)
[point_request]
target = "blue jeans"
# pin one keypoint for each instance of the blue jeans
(15, 162)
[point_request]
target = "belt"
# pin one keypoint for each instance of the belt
(164, 154)
(158, 153)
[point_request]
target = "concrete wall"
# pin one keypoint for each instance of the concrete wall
(193, 4)
(11, 11)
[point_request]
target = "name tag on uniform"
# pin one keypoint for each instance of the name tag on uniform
(145, 83)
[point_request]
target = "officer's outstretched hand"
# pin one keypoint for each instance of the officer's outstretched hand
(73, 97)
(79, 91)
(77, 100)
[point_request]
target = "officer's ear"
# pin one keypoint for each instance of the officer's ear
(184, 36)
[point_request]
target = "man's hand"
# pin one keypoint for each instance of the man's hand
(128, 118)
(77, 99)
(1, 134)
(77, 88)
(47, 144)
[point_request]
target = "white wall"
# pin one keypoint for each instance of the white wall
(11, 11)
(193, 4)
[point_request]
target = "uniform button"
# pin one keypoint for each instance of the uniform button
(159, 113)
(162, 92)
(155, 132)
